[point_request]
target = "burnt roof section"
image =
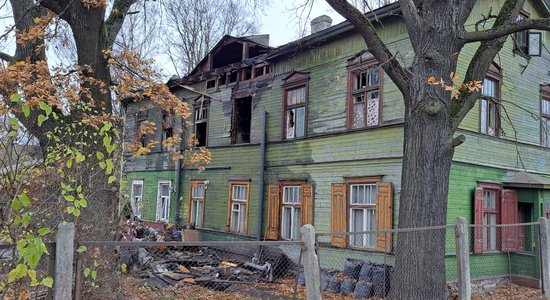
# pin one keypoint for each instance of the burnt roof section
(223, 43)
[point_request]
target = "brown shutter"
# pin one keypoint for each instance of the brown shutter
(307, 204)
(338, 220)
(274, 203)
(478, 220)
(384, 205)
(509, 214)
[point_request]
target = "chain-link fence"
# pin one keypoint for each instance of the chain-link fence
(362, 264)
(206, 270)
(505, 259)
(21, 286)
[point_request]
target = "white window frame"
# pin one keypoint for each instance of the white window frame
(199, 213)
(241, 215)
(136, 205)
(159, 213)
(294, 206)
(545, 119)
(368, 240)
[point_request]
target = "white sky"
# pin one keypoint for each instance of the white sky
(280, 20)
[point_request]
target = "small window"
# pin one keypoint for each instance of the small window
(163, 201)
(291, 212)
(222, 80)
(238, 204)
(545, 120)
(211, 84)
(295, 112)
(521, 42)
(137, 197)
(233, 76)
(242, 118)
(259, 71)
(196, 206)
(201, 123)
(489, 106)
(364, 93)
(362, 203)
(246, 73)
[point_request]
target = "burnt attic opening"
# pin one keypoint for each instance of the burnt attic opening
(255, 51)
(231, 53)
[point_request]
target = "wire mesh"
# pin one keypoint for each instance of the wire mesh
(363, 264)
(202, 269)
(22, 288)
(505, 261)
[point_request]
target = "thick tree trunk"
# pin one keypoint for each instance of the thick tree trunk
(428, 152)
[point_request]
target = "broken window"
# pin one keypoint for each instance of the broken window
(238, 207)
(259, 70)
(489, 112)
(233, 76)
(364, 102)
(247, 73)
(222, 80)
(137, 197)
(545, 118)
(295, 112)
(163, 201)
(201, 122)
(521, 43)
(167, 128)
(196, 211)
(211, 84)
(140, 118)
(242, 117)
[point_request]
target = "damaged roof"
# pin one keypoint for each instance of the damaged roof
(526, 180)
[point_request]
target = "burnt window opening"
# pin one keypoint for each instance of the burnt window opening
(167, 128)
(247, 73)
(222, 80)
(201, 124)
(259, 71)
(211, 84)
(234, 75)
(140, 118)
(242, 117)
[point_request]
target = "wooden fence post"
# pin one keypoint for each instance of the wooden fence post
(64, 253)
(463, 259)
(544, 236)
(311, 263)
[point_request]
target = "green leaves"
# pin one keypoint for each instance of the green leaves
(26, 110)
(45, 107)
(82, 249)
(47, 281)
(43, 231)
(20, 271)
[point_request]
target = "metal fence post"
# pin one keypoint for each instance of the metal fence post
(463, 259)
(544, 235)
(311, 264)
(64, 252)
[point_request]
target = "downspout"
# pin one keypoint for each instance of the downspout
(261, 180)
(179, 179)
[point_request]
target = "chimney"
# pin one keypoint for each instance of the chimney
(262, 39)
(320, 23)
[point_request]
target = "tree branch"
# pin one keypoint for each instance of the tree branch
(482, 60)
(58, 7)
(116, 18)
(6, 57)
(374, 44)
(504, 30)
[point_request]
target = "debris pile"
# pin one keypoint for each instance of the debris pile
(209, 267)
(359, 279)
(135, 229)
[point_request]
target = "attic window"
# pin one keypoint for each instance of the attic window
(211, 84)
(222, 80)
(259, 71)
(233, 76)
(247, 73)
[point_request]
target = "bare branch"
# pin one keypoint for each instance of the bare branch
(375, 45)
(504, 30)
(116, 18)
(6, 57)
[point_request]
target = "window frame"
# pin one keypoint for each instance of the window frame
(167, 127)
(245, 202)
(136, 209)
(353, 70)
(494, 75)
(545, 117)
(497, 212)
(293, 206)
(159, 216)
(204, 105)
(522, 49)
(140, 117)
(192, 199)
(294, 81)
(348, 183)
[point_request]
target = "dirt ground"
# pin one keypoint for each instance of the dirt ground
(284, 291)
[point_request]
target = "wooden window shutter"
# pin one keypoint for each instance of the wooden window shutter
(384, 208)
(509, 215)
(478, 220)
(338, 218)
(274, 204)
(307, 204)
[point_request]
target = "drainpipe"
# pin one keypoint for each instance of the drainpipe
(179, 177)
(261, 180)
